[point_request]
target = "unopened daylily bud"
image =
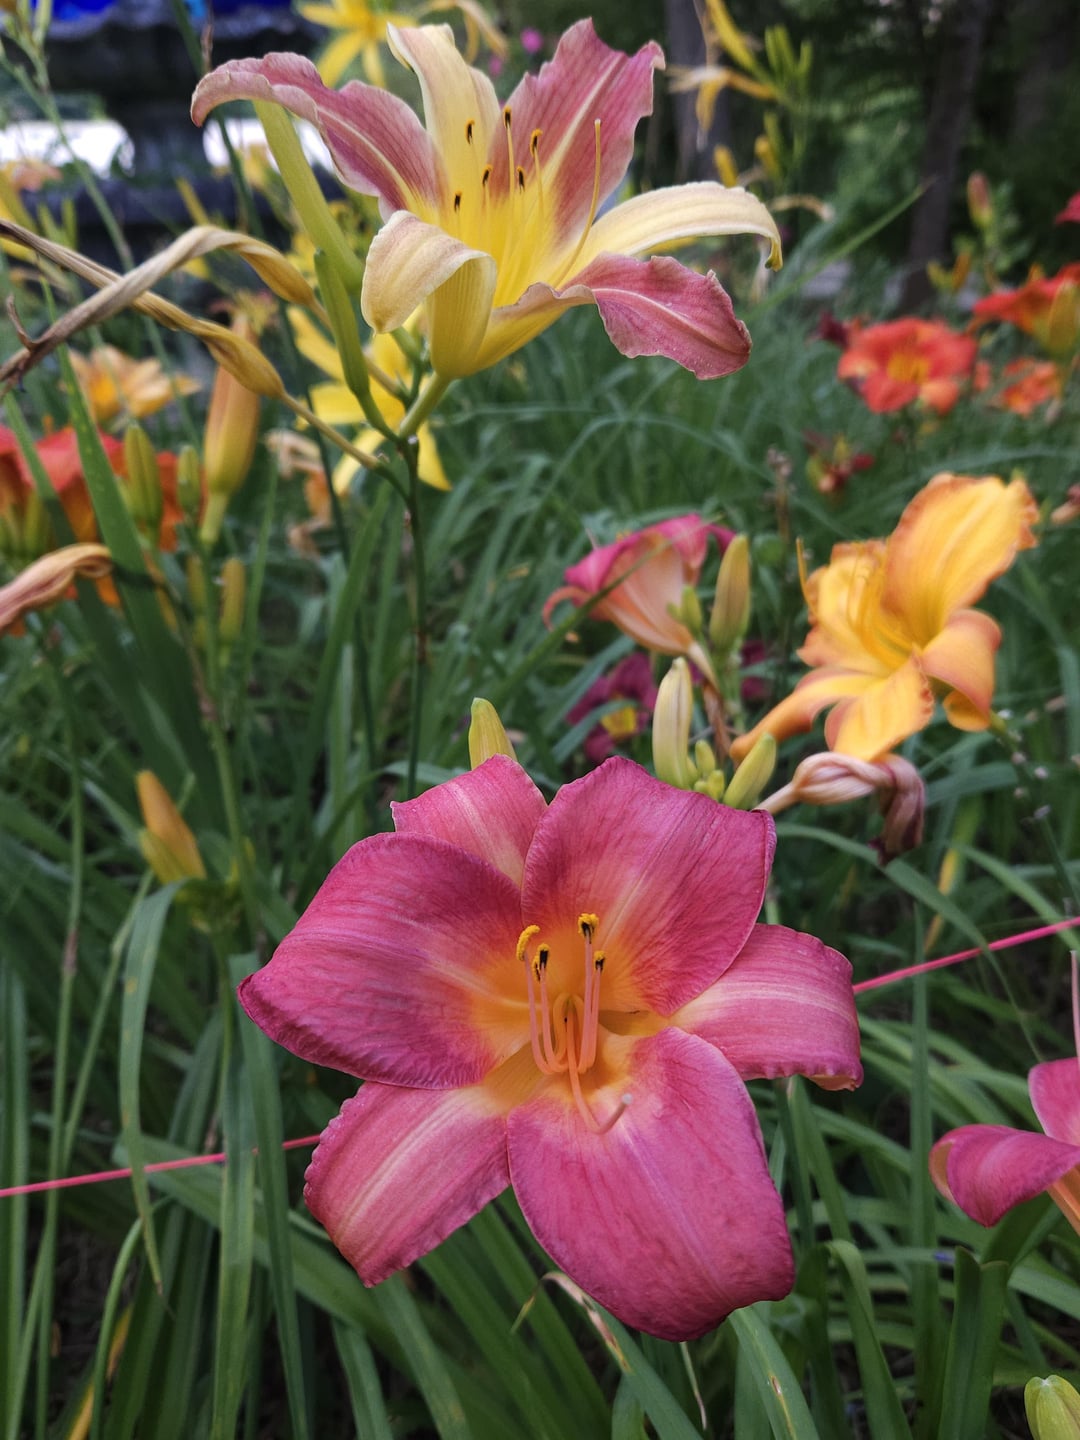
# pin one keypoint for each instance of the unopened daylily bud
(339, 311)
(25, 532)
(712, 785)
(690, 611)
(1063, 321)
(196, 584)
(980, 202)
(731, 607)
(746, 785)
(189, 481)
(166, 842)
(145, 500)
(726, 168)
(487, 737)
(232, 431)
(1053, 1408)
(704, 757)
(233, 596)
(672, 717)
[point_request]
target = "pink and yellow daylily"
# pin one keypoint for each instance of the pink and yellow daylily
(891, 623)
(658, 564)
(566, 998)
(492, 211)
(987, 1169)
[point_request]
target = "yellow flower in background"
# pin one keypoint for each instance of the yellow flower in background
(335, 403)
(891, 625)
(361, 31)
(117, 384)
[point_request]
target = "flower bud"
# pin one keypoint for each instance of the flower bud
(704, 757)
(726, 168)
(671, 728)
(746, 785)
(167, 844)
(689, 611)
(832, 779)
(1053, 1408)
(189, 481)
(144, 496)
(232, 431)
(980, 202)
(730, 616)
(487, 737)
(233, 596)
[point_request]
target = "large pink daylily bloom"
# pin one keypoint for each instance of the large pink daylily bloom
(566, 998)
(658, 563)
(987, 1169)
(492, 211)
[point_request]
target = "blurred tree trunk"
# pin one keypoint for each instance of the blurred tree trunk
(950, 111)
(686, 46)
(1053, 26)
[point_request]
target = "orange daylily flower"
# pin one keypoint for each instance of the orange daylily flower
(891, 625)
(1031, 383)
(117, 384)
(1046, 308)
(904, 361)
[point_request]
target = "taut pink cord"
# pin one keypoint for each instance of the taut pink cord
(1005, 944)
(218, 1157)
(94, 1179)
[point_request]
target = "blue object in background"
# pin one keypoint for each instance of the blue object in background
(76, 9)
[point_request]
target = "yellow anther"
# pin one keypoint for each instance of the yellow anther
(598, 960)
(470, 126)
(520, 178)
(506, 117)
(457, 201)
(587, 923)
(534, 142)
(486, 176)
(524, 938)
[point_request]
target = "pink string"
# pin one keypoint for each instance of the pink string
(99, 1175)
(218, 1157)
(1007, 943)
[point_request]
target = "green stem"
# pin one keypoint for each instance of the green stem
(420, 632)
(423, 405)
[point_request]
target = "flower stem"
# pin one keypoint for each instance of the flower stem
(423, 405)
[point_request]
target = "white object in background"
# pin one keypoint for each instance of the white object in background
(95, 141)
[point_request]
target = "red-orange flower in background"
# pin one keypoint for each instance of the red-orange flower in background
(1030, 383)
(890, 623)
(1046, 308)
(909, 360)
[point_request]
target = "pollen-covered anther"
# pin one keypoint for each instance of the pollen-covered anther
(470, 126)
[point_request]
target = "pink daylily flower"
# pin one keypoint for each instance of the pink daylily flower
(987, 1169)
(492, 211)
(567, 998)
(658, 562)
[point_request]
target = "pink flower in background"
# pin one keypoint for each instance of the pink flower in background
(491, 211)
(632, 682)
(658, 563)
(532, 42)
(987, 1169)
(566, 998)
(1071, 211)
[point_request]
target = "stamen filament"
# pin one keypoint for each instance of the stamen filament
(598, 1127)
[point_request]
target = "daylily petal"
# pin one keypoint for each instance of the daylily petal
(455, 96)
(886, 712)
(491, 812)
(584, 83)
(962, 656)
(797, 711)
(397, 1170)
(987, 1169)
(954, 537)
(669, 1218)
(676, 880)
(659, 307)
(785, 1007)
(1055, 1094)
(401, 166)
(411, 261)
(681, 212)
(49, 578)
(401, 969)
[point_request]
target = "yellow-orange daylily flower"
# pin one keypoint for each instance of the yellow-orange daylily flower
(335, 403)
(117, 384)
(361, 29)
(891, 625)
(491, 212)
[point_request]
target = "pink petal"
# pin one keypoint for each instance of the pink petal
(585, 81)
(669, 1219)
(1055, 1094)
(377, 143)
(398, 1170)
(491, 812)
(785, 1007)
(401, 969)
(987, 1169)
(676, 881)
(659, 307)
